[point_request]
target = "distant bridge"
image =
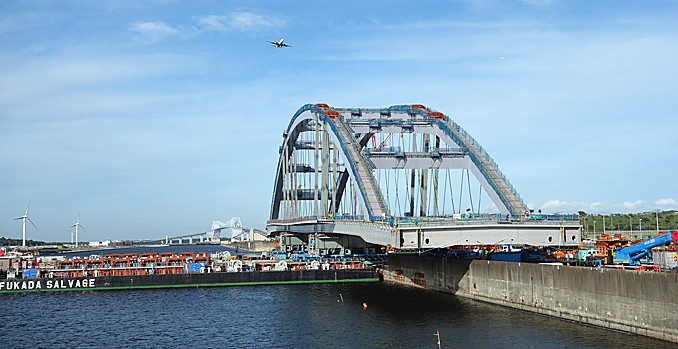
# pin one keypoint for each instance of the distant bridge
(390, 177)
(233, 228)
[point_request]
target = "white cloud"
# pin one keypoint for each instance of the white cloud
(53, 79)
(239, 21)
(669, 202)
(537, 3)
(215, 23)
(498, 3)
(634, 205)
(552, 206)
(559, 206)
(154, 30)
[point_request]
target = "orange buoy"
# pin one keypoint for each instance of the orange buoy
(364, 305)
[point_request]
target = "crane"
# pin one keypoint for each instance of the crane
(633, 254)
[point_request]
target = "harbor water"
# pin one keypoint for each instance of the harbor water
(286, 316)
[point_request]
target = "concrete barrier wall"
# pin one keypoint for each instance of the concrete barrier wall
(644, 303)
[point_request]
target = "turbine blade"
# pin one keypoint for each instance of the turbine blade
(36, 228)
(83, 228)
(16, 219)
(29, 205)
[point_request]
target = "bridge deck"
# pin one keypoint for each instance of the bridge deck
(441, 232)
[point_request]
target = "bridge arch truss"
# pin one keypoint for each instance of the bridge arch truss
(340, 146)
(331, 161)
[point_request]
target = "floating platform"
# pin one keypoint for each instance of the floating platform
(187, 280)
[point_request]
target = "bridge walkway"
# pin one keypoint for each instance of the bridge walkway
(367, 183)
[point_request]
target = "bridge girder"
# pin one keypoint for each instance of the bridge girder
(417, 236)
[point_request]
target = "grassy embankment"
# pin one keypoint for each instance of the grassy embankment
(641, 224)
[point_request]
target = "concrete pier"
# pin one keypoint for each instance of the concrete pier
(643, 303)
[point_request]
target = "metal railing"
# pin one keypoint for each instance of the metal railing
(398, 151)
(456, 219)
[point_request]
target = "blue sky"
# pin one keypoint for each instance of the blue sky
(158, 117)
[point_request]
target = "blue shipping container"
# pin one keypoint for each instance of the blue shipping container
(505, 256)
(196, 267)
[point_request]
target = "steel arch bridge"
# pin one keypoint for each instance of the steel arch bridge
(329, 180)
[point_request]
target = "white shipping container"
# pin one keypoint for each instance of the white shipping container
(665, 259)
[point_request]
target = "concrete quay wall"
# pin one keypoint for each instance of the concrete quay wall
(644, 303)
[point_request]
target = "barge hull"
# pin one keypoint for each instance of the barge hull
(187, 280)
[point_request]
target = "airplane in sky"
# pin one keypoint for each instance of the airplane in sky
(279, 43)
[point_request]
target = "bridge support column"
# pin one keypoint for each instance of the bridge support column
(324, 197)
(295, 194)
(435, 181)
(413, 177)
(285, 188)
(424, 181)
(316, 164)
(286, 184)
(334, 181)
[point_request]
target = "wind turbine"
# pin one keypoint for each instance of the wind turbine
(24, 218)
(76, 225)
